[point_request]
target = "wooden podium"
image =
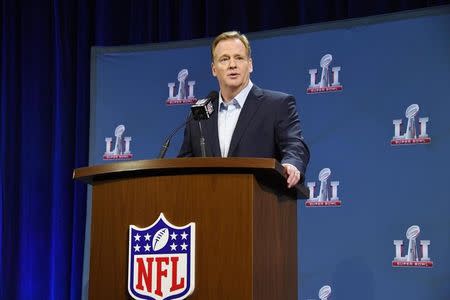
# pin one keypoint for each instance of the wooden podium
(246, 223)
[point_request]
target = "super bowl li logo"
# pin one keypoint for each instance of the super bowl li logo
(121, 148)
(161, 261)
(185, 92)
(325, 84)
(323, 199)
(324, 292)
(412, 257)
(410, 136)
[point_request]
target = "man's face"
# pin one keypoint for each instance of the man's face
(231, 66)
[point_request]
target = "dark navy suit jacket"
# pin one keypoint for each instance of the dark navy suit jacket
(268, 126)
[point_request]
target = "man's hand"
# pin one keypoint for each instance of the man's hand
(292, 173)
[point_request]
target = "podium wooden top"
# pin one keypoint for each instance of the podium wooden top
(260, 167)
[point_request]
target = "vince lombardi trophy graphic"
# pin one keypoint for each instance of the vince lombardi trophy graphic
(411, 235)
(325, 77)
(324, 292)
(118, 148)
(182, 75)
(411, 113)
(323, 178)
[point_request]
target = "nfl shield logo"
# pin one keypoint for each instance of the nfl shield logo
(161, 261)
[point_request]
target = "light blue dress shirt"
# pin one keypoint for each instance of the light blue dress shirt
(228, 117)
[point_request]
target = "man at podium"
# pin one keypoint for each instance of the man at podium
(247, 121)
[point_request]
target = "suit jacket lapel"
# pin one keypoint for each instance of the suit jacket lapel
(212, 133)
(251, 105)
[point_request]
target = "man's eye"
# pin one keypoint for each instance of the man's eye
(224, 59)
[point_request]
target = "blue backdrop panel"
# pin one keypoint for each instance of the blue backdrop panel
(386, 64)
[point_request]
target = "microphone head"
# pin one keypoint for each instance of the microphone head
(203, 108)
(213, 95)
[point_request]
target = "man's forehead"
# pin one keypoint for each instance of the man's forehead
(229, 46)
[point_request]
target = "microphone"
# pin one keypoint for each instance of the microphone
(202, 110)
(199, 108)
(165, 146)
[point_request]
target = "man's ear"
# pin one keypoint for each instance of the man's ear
(213, 70)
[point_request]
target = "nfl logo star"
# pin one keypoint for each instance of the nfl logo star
(161, 261)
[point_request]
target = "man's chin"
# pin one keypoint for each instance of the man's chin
(234, 84)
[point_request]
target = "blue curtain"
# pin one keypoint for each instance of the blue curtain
(44, 111)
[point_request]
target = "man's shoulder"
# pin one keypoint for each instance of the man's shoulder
(267, 94)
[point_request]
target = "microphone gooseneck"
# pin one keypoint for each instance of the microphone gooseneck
(165, 146)
(201, 110)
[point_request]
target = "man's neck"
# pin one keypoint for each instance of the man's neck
(229, 94)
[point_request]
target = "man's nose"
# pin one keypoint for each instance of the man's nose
(232, 64)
